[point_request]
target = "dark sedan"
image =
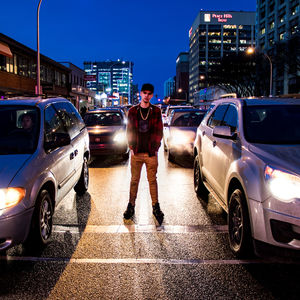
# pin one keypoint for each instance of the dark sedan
(107, 131)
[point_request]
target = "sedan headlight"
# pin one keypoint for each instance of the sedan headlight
(11, 196)
(283, 185)
(120, 138)
(180, 138)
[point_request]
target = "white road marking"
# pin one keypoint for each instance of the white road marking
(132, 228)
(147, 261)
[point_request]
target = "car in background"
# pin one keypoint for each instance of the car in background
(39, 165)
(180, 132)
(107, 132)
(170, 108)
(247, 154)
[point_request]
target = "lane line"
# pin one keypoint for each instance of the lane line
(141, 228)
(147, 261)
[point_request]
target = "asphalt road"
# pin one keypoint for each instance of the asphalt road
(96, 254)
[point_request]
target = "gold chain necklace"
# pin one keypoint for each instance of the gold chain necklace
(142, 114)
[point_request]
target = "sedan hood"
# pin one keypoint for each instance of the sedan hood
(285, 156)
(9, 166)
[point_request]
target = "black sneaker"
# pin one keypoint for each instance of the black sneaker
(159, 215)
(129, 212)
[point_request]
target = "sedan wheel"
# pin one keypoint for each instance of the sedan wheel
(240, 240)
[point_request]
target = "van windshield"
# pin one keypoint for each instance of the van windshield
(19, 129)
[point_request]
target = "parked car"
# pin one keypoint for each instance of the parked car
(247, 154)
(44, 153)
(180, 132)
(107, 131)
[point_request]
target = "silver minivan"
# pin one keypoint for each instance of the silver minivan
(44, 153)
(247, 154)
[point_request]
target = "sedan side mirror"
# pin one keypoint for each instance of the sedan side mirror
(224, 132)
(57, 140)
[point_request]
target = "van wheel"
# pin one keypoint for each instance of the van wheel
(239, 229)
(199, 186)
(42, 221)
(83, 182)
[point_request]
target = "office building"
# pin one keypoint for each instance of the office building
(113, 78)
(213, 35)
(278, 22)
(169, 87)
(182, 74)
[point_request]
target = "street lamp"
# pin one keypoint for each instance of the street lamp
(250, 51)
(38, 74)
(181, 91)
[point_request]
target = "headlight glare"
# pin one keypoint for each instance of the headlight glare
(120, 137)
(11, 196)
(179, 138)
(284, 186)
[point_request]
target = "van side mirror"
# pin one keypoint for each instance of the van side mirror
(57, 140)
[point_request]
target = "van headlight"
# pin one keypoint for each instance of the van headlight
(120, 138)
(283, 185)
(11, 196)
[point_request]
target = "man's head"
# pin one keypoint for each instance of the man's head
(27, 122)
(147, 93)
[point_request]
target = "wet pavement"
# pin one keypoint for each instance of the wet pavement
(96, 254)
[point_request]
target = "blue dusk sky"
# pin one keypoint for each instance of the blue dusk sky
(151, 34)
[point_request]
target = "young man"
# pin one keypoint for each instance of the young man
(144, 133)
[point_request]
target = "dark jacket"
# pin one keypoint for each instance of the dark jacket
(155, 127)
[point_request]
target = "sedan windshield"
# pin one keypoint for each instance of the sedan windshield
(103, 119)
(19, 129)
(187, 119)
(272, 124)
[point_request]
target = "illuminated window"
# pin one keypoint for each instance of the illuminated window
(263, 31)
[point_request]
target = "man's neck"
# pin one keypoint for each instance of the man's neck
(145, 105)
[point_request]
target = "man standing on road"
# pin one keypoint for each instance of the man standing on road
(144, 134)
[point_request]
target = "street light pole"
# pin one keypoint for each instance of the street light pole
(38, 74)
(251, 50)
(271, 73)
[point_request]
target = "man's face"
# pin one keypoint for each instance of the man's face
(146, 96)
(27, 122)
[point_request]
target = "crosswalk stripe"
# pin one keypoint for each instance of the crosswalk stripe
(147, 261)
(140, 228)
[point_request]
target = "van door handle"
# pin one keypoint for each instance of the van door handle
(203, 132)
(72, 156)
(214, 143)
(76, 152)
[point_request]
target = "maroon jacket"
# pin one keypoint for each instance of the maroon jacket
(155, 126)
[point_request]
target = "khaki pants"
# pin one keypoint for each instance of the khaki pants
(137, 162)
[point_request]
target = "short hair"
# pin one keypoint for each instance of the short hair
(148, 87)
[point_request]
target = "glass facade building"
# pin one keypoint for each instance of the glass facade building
(213, 35)
(111, 77)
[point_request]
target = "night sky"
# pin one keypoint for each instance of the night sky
(149, 33)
